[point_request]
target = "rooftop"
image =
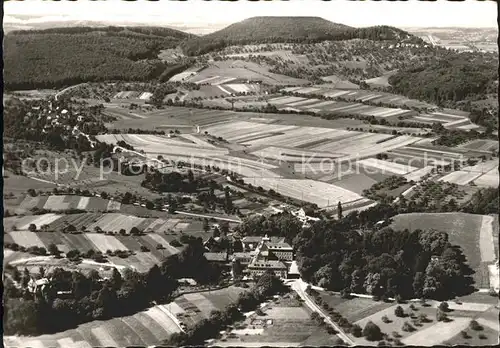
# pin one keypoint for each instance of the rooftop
(268, 265)
(279, 246)
(216, 256)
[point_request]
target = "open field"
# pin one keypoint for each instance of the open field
(486, 173)
(473, 233)
(359, 94)
(111, 222)
(285, 323)
(315, 105)
(64, 202)
(20, 184)
(316, 192)
(481, 145)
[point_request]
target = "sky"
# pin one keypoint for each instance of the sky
(412, 13)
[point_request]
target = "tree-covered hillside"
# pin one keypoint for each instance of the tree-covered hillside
(64, 56)
(288, 29)
(457, 77)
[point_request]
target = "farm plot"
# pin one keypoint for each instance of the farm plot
(386, 166)
(460, 177)
(160, 240)
(482, 145)
(489, 179)
(316, 192)
(356, 183)
(105, 242)
(57, 203)
(297, 137)
(26, 239)
(39, 220)
(293, 155)
(29, 203)
(418, 174)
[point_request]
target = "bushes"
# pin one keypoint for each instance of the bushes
(474, 325)
(356, 330)
(443, 306)
(423, 318)
(372, 332)
(442, 316)
(399, 312)
(407, 327)
(386, 319)
(464, 334)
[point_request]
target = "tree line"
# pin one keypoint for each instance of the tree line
(62, 57)
(95, 298)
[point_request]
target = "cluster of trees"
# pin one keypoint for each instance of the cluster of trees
(267, 285)
(25, 119)
(280, 225)
(259, 30)
(389, 184)
(484, 201)
(383, 263)
(94, 298)
(137, 131)
(174, 182)
(448, 80)
(62, 57)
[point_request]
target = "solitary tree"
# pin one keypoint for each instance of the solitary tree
(372, 332)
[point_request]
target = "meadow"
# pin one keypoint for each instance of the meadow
(473, 233)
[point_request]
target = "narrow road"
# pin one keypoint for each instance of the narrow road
(67, 89)
(207, 216)
(299, 286)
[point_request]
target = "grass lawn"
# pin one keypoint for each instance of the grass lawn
(358, 308)
(485, 337)
(463, 230)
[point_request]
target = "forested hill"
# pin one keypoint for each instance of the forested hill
(59, 57)
(288, 29)
(454, 80)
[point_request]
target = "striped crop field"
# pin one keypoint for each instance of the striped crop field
(103, 242)
(293, 155)
(146, 328)
(238, 130)
(108, 222)
(311, 191)
(26, 239)
(386, 166)
(298, 137)
(488, 179)
(419, 173)
(65, 202)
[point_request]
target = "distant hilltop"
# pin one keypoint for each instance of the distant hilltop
(258, 30)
